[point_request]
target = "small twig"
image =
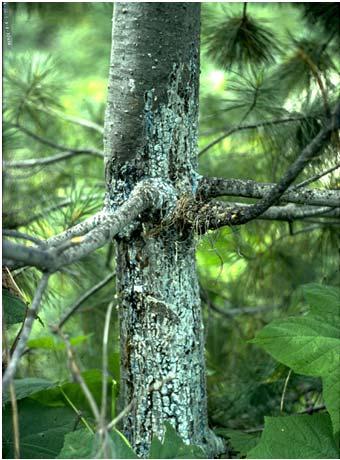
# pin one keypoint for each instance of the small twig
(285, 390)
(51, 144)
(82, 299)
(316, 177)
(15, 418)
(76, 120)
(246, 127)
(79, 414)
(76, 373)
(313, 409)
(23, 236)
(154, 387)
(105, 372)
(26, 331)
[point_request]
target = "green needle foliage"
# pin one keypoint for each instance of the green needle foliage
(239, 41)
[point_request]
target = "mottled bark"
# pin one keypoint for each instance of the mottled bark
(151, 131)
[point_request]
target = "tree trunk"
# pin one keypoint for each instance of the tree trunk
(151, 132)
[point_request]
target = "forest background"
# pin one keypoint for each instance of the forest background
(56, 61)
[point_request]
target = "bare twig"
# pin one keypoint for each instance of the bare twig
(241, 127)
(79, 414)
(23, 236)
(32, 314)
(46, 161)
(285, 390)
(307, 154)
(51, 144)
(15, 418)
(82, 299)
(76, 373)
(154, 387)
(316, 177)
(105, 372)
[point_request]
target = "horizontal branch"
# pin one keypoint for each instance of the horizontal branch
(49, 143)
(71, 118)
(212, 187)
(150, 193)
(213, 215)
(244, 127)
(33, 162)
(307, 154)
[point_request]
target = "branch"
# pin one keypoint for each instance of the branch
(212, 187)
(82, 299)
(246, 127)
(31, 315)
(307, 154)
(316, 177)
(76, 120)
(76, 373)
(51, 144)
(31, 163)
(219, 214)
(23, 236)
(149, 193)
(27, 255)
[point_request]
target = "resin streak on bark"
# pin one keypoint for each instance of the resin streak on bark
(151, 131)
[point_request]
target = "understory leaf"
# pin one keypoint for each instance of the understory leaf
(310, 344)
(172, 446)
(241, 442)
(83, 444)
(14, 308)
(296, 436)
(26, 387)
(41, 428)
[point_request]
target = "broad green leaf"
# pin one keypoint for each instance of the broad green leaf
(322, 299)
(310, 344)
(120, 447)
(93, 378)
(331, 396)
(173, 446)
(42, 429)
(296, 436)
(83, 444)
(304, 343)
(240, 442)
(78, 444)
(26, 387)
(14, 308)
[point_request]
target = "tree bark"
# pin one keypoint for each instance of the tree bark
(151, 132)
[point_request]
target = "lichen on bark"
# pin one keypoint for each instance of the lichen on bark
(161, 329)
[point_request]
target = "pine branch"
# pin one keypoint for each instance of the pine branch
(149, 193)
(307, 154)
(244, 127)
(54, 145)
(33, 162)
(213, 215)
(76, 120)
(212, 187)
(316, 177)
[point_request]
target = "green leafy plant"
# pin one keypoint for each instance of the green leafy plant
(309, 345)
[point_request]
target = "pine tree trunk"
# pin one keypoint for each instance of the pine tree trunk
(151, 132)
